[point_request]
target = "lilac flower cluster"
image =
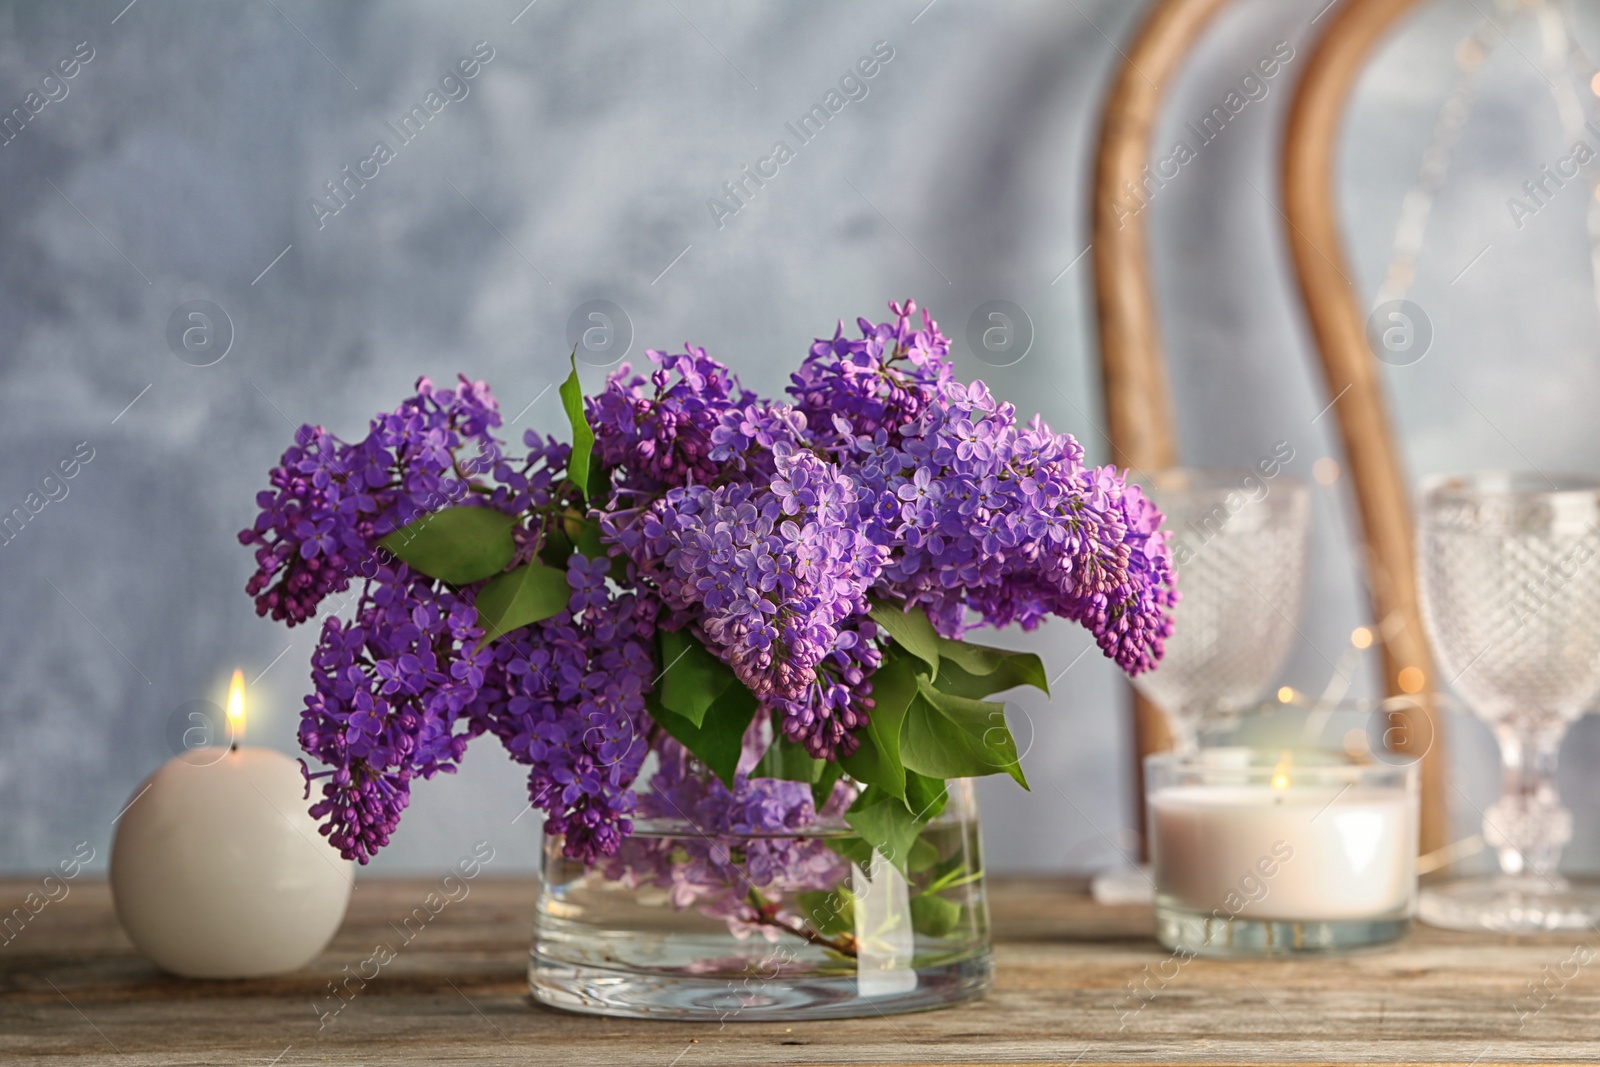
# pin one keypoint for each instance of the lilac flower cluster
(988, 522)
(390, 687)
(400, 688)
(566, 697)
(885, 478)
(992, 523)
(836, 701)
(766, 528)
(770, 574)
(660, 436)
(331, 501)
(880, 381)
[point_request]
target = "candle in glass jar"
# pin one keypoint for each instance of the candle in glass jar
(1283, 851)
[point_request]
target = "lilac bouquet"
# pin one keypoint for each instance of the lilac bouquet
(763, 600)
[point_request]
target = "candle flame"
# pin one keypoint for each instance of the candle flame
(236, 707)
(1280, 775)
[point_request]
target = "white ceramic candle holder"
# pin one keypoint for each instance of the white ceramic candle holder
(1267, 852)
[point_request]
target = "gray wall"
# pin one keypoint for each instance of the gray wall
(184, 158)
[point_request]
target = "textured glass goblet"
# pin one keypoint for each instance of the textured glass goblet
(1239, 545)
(1511, 597)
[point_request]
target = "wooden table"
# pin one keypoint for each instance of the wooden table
(72, 990)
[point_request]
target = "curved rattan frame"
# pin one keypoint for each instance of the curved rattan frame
(1137, 395)
(1351, 373)
(1138, 399)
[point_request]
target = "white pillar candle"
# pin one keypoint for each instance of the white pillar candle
(217, 869)
(1285, 852)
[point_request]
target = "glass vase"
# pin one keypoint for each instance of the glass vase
(688, 925)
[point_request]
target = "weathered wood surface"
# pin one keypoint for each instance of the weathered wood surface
(73, 990)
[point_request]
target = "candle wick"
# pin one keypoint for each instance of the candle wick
(233, 746)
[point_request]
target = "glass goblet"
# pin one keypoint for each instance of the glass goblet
(1239, 547)
(1510, 593)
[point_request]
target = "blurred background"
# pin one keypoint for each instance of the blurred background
(192, 163)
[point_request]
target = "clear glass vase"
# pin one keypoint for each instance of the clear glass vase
(811, 925)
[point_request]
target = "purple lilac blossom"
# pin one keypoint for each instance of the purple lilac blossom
(402, 687)
(987, 522)
(957, 509)
(880, 381)
(390, 688)
(762, 526)
(770, 576)
(566, 697)
(330, 501)
(658, 431)
(838, 699)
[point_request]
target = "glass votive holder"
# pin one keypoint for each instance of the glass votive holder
(1261, 852)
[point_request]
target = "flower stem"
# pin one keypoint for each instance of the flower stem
(766, 914)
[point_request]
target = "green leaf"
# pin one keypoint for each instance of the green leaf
(923, 856)
(910, 629)
(528, 594)
(853, 849)
(599, 481)
(925, 797)
(588, 540)
(691, 677)
(884, 823)
(458, 545)
(934, 916)
(981, 671)
(789, 761)
(947, 736)
(557, 548)
(718, 740)
(828, 912)
(582, 435)
(877, 761)
(822, 786)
